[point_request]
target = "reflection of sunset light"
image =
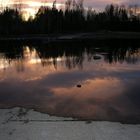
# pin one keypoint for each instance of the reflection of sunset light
(59, 59)
(26, 50)
(31, 56)
(33, 79)
(96, 88)
(34, 61)
(3, 64)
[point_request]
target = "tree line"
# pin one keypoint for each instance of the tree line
(75, 18)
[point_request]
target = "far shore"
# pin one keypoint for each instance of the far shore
(100, 35)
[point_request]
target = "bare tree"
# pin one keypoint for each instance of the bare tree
(68, 5)
(80, 4)
(74, 5)
(54, 5)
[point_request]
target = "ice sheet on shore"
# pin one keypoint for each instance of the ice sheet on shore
(23, 124)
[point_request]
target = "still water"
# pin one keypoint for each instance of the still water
(46, 78)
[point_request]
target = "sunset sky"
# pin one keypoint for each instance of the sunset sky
(94, 3)
(30, 6)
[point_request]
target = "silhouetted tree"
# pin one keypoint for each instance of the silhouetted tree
(73, 19)
(10, 22)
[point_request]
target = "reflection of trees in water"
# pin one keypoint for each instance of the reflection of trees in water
(132, 56)
(70, 55)
(12, 54)
(73, 54)
(123, 54)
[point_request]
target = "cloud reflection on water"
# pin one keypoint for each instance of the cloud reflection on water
(108, 92)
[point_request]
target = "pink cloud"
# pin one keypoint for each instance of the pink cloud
(97, 4)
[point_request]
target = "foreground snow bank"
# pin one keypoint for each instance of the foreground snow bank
(23, 124)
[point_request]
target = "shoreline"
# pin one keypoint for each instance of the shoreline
(23, 124)
(25, 110)
(101, 35)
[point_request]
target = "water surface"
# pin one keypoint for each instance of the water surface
(45, 78)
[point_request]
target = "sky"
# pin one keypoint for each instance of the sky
(95, 3)
(30, 6)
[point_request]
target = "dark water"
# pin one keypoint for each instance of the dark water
(45, 78)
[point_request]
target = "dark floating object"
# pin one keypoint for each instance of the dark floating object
(96, 57)
(79, 86)
(88, 122)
